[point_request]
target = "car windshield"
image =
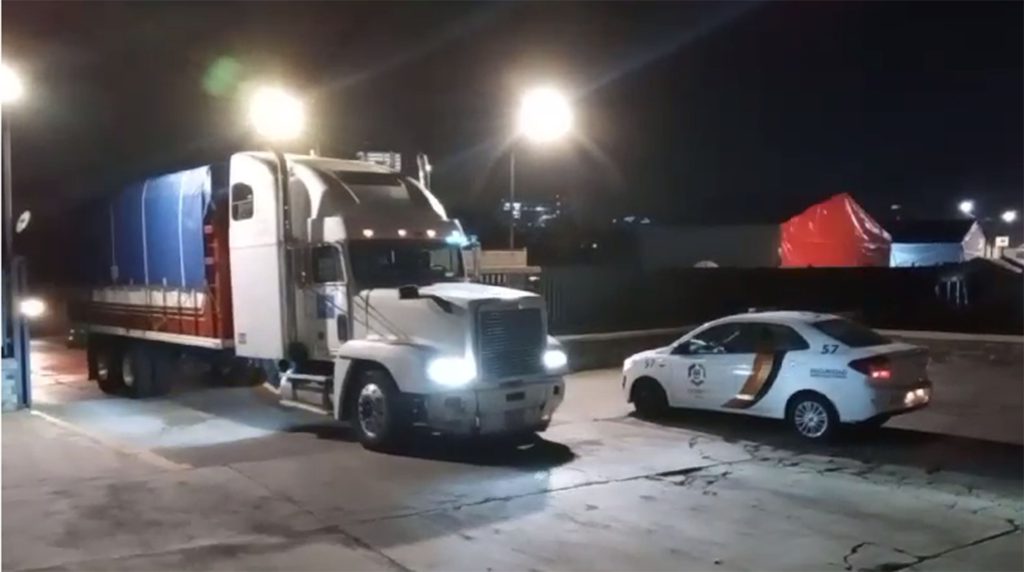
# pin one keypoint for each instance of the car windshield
(390, 263)
(850, 333)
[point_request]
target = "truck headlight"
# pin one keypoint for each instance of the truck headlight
(451, 371)
(555, 359)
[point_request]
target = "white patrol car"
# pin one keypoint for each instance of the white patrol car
(813, 370)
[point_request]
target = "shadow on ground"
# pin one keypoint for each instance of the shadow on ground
(902, 447)
(528, 453)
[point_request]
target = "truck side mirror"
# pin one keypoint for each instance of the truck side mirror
(410, 292)
(341, 323)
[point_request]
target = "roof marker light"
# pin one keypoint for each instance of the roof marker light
(456, 238)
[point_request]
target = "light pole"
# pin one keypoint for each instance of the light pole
(545, 116)
(277, 116)
(11, 91)
(15, 331)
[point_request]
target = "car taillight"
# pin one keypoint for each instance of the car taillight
(873, 367)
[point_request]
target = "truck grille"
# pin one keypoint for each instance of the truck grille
(511, 342)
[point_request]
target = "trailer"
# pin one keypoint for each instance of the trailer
(342, 283)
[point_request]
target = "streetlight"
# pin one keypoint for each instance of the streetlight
(11, 86)
(966, 206)
(545, 116)
(1009, 216)
(278, 116)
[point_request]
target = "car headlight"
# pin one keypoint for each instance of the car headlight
(451, 371)
(555, 359)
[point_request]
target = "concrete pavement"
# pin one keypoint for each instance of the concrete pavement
(223, 478)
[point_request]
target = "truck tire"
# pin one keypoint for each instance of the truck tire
(138, 370)
(376, 415)
(104, 358)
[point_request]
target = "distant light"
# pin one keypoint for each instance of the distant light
(894, 207)
(276, 115)
(1008, 216)
(32, 307)
(593, 245)
(368, 232)
(428, 168)
(431, 233)
(544, 115)
(966, 207)
(11, 87)
(402, 232)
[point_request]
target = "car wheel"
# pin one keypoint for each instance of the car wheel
(649, 399)
(376, 413)
(812, 416)
(106, 360)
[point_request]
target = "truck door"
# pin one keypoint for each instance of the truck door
(327, 297)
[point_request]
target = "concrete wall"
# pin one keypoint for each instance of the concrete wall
(962, 355)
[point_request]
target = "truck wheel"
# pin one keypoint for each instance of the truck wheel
(812, 416)
(137, 371)
(106, 362)
(375, 412)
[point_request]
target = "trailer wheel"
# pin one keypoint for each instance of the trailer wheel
(376, 415)
(106, 364)
(138, 370)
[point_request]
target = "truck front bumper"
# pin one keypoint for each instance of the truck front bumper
(504, 409)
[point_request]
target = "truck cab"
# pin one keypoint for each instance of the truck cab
(363, 301)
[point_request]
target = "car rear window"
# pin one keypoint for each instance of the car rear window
(850, 333)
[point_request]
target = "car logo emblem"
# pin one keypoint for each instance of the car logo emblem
(695, 373)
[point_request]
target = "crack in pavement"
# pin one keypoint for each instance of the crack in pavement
(1015, 527)
(336, 529)
(660, 476)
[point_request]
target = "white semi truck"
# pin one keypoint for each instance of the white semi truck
(344, 280)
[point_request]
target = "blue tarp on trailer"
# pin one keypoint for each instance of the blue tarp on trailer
(155, 231)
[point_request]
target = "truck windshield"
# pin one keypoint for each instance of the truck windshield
(391, 263)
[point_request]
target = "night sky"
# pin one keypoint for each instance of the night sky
(687, 111)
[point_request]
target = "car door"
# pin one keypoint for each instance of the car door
(704, 365)
(758, 357)
(328, 293)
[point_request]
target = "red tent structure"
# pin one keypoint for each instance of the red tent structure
(834, 232)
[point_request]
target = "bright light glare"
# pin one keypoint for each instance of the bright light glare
(11, 87)
(1008, 216)
(451, 371)
(32, 307)
(456, 238)
(555, 359)
(431, 233)
(276, 115)
(368, 232)
(544, 115)
(402, 232)
(966, 206)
